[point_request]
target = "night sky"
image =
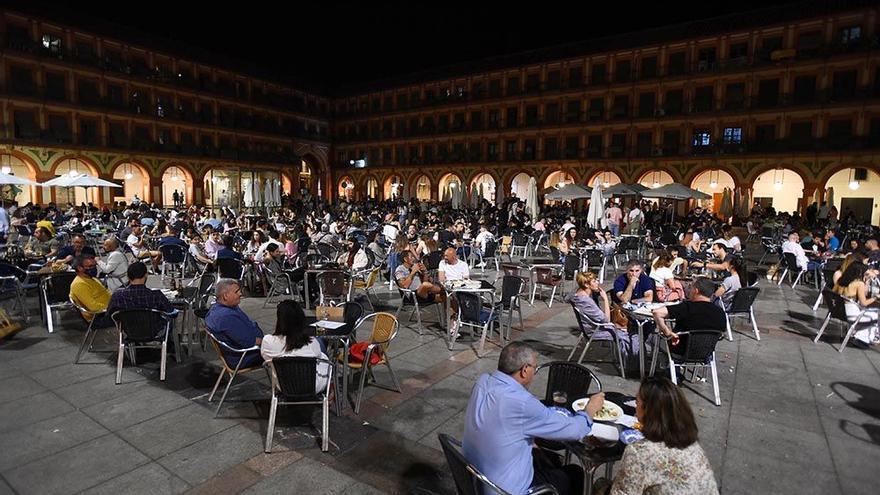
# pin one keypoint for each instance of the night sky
(327, 44)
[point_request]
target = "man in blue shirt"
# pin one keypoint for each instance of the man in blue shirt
(227, 250)
(503, 418)
(633, 286)
(231, 325)
(172, 237)
(76, 248)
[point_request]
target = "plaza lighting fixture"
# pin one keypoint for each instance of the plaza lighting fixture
(656, 184)
(778, 185)
(72, 173)
(713, 181)
(853, 183)
(777, 182)
(6, 169)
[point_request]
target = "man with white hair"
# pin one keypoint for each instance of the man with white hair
(114, 264)
(228, 323)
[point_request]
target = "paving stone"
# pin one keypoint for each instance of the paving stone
(780, 442)
(307, 476)
(76, 468)
(415, 418)
(174, 430)
(19, 386)
(69, 374)
(754, 471)
(227, 448)
(121, 412)
(148, 479)
(31, 409)
(102, 389)
(47, 437)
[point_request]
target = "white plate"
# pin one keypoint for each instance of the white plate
(615, 411)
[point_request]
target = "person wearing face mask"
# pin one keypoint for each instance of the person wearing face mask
(87, 291)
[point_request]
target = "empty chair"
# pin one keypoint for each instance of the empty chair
(468, 479)
(471, 313)
(55, 290)
(595, 261)
(547, 277)
(383, 332)
(511, 292)
(742, 306)
(293, 383)
(14, 285)
(366, 284)
(281, 282)
(570, 267)
(698, 352)
(332, 286)
(519, 244)
(490, 255)
(142, 328)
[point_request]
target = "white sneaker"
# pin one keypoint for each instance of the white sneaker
(481, 265)
(453, 329)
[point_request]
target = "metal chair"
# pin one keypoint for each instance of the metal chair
(575, 379)
(742, 306)
(384, 330)
(837, 310)
(468, 479)
(588, 329)
(14, 284)
(472, 313)
(366, 284)
(699, 352)
(55, 291)
(229, 268)
(790, 262)
(278, 278)
(332, 286)
(232, 371)
(519, 244)
(293, 383)
(570, 267)
(139, 328)
(490, 254)
(547, 277)
(408, 297)
(826, 276)
(596, 263)
(511, 292)
(173, 257)
(89, 337)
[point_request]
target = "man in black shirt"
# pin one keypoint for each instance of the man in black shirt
(697, 313)
(722, 263)
(446, 237)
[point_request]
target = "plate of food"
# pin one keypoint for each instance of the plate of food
(609, 412)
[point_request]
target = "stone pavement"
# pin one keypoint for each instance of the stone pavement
(796, 417)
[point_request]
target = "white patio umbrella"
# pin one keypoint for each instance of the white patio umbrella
(12, 180)
(737, 201)
(475, 200)
(80, 180)
(268, 196)
(570, 192)
(829, 197)
(596, 213)
(745, 207)
(624, 190)
(277, 192)
(257, 193)
(456, 195)
(675, 191)
(532, 206)
(726, 204)
(480, 197)
(248, 192)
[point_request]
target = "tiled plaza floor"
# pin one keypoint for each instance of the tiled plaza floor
(796, 417)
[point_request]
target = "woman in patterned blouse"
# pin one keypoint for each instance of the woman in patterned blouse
(669, 460)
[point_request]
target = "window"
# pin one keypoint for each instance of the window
(671, 142)
(399, 158)
(594, 146)
(56, 87)
(735, 96)
(649, 67)
(531, 114)
(597, 108)
(512, 119)
(702, 138)
(768, 92)
(88, 132)
(809, 42)
(732, 135)
(492, 151)
(804, 89)
(529, 149)
(575, 77)
(87, 91)
(118, 136)
(510, 150)
(387, 103)
(674, 102)
(621, 106)
(738, 50)
(598, 74)
(646, 104)
(676, 64)
(494, 119)
(765, 134)
(495, 88)
(22, 80)
(52, 44)
(705, 59)
(551, 148)
(843, 85)
(801, 132)
(643, 144)
(476, 120)
(703, 99)
(839, 128)
(770, 44)
(623, 71)
(551, 113)
(59, 128)
(553, 79)
(513, 85)
(618, 145)
(533, 82)
(573, 111)
(850, 34)
(571, 147)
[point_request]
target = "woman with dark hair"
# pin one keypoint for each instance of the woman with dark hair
(853, 285)
(354, 258)
(291, 340)
(669, 460)
(569, 242)
(733, 282)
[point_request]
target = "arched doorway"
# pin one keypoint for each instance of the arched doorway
(135, 180)
(780, 188)
(371, 186)
(558, 179)
(176, 179)
(485, 184)
(222, 188)
(606, 178)
(448, 184)
(13, 165)
(75, 195)
(422, 188)
(345, 188)
(519, 186)
(655, 178)
(286, 185)
(713, 183)
(393, 187)
(856, 190)
(309, 180)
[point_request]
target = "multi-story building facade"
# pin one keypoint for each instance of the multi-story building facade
(779, 105)
(780, 110)
(157, 122)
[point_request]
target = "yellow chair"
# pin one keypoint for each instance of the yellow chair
(385, 328)
(366, 285)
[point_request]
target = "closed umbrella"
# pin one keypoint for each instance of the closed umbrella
(405, 193)
(475, 199)
(737, 202)
(248, 192)
(532, 206)
(268, 196)
(596, 213)
(829, 197)
(277, 192)
(257, 196)
(726, 204)
(481, 196)
(745, 208)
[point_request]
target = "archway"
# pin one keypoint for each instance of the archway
(176, 179)
(421, 188)
(75, 195)
(558, 179)
(286, 184)
(135, 180)
(781, 188)
(519, 186)
(485, 183)
(345, 188)
(309, 179)
(449, 183)
(713, 183)
(856, 189)
(13, 165)
(393, 187)
(606, 178)
(222, 188)
(655, 178)
(371, 186)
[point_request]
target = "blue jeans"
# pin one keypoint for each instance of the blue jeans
(614, 228)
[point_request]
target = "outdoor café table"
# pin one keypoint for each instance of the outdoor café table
(181, 300)
(470, 286)
(329, 331)
(641, 314)
(592, 452)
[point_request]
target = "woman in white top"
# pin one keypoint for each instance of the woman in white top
(668, 289)
(852, 285)
(290, 340)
